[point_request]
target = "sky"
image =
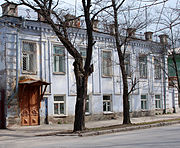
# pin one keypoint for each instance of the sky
(25, 12)
(71, 3)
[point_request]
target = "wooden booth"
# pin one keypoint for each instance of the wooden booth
(30, 94)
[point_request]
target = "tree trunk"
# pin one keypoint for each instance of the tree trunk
(126, 115)
(81, 86)
(121, 55)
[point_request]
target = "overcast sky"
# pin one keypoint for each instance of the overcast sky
(71, 4)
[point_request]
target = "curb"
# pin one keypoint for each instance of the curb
(102, 132)
(128, 128)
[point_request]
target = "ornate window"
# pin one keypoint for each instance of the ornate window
(28, 57)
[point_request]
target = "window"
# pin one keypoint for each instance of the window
(87, 104)
(157, 101)
(143, 67)
(106, 103)
(59, 59)
(106, 63)
(127, 64)
(130, 103)
(59, 105)
(29, 57)
(157, 69)
(143, 102)
(83, 54)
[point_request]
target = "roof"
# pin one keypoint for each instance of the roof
(31, 81)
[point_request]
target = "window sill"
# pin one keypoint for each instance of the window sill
(59, 73)
(108, 113)
(28, 72)
(104, 76)
(158, 109)
(47, 93)
(87, 113)
(144, 110)
(59, 116)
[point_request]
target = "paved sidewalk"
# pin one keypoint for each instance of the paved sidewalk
(29, 131)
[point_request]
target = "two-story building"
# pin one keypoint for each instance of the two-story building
(36, 73)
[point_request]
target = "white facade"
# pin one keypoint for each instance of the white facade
(18, 35)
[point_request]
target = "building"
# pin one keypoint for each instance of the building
(171, 69)
(37, 76)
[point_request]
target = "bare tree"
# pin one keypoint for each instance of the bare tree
(169, 25)
(121, 46)
(48, 9)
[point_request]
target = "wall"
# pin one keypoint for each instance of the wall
(64, 84)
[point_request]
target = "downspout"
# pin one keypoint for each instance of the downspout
(49, 64)
(164, 78)
(17, 61)
(68, 74)
(173, 101)
(40, 50)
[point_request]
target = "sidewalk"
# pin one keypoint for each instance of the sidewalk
(55, 128)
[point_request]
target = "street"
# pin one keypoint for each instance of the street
(159, 137)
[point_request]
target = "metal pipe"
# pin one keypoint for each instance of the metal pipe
(164, 78)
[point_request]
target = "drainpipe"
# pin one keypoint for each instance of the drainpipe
(40, 51)
(173, 101)
(164, 78)
(17, 61)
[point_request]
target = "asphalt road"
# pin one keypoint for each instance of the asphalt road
(159, 137)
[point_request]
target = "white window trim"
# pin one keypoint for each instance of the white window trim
(111, 104)
(34, 72)
(130, 103)
(143, 77)
(129, 64)
(65, 106)
(160, 99)
(53, 54)
(146, 102)
(84, 57)
(111, 67)
(159, 65)
(89, 101)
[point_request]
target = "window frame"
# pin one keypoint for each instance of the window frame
(87, 103)
(109, 63)
(127, 64)
(157, 69)
(59, 102)
(107, 101)
(130, 103)
(59, 55)
(81, 48)
(143, 74)
(27, 54)
(145, 106)
(159, 100)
